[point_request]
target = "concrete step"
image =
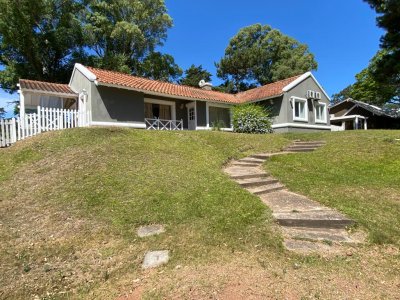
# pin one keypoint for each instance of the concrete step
(266, 189)
(250, 176)
(257, 183)
(333, 235)
(252, 160)
(263, 156)
(245, 164)
(309, 142)
(293, 149)
(313, 219)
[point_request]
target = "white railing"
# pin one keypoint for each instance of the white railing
(337, 128)
(46, 119)
(158, 124)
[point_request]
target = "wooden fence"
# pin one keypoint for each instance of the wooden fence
(46, 119)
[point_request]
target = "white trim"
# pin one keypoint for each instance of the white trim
(295, 99)
(164, 102)
(209, 128)
(56, 94)
(89, 75)
(301, 79)
(141, 125)
(347, 117)
(347, 112)
(325, 116)
(283, 125)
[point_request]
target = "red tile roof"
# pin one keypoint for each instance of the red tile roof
(143, 84)
(266, 91)
(45, 86)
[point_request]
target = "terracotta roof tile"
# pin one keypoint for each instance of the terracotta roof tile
(45, 86)
(266, 91)
(143, 84)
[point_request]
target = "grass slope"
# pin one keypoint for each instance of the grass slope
(71, 201)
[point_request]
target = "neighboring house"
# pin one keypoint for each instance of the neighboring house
(115, 99)
(353, 115)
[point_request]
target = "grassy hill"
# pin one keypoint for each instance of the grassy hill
(71, 201)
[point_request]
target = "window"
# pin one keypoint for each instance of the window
(219, 115)
(320, 113)
(300, 109)
(192, 115)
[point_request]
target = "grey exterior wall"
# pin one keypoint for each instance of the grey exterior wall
(277, 108)
(117, 105)
(300, 91)
(79, 83)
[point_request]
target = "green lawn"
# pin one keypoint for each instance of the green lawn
(356, 172)
(71, 201)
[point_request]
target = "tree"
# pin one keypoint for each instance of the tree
(39, 40)
(342, 95)
(160, 66)
(122, 34)
(194, 75)
(258, 55)
(387, 71)
(2, 112)
(367, 88)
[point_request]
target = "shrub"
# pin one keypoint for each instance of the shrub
(251, 118)
(216, 126)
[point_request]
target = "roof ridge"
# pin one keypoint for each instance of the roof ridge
(159, 81)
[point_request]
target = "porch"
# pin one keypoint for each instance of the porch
(352, 122)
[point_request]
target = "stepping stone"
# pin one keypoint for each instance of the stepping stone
(246, 164)
(255, 182)
(243, 171)
(149, 230)
(285, 201)
(252, 160)
(266, 189)
(250, 176)
(153, 259)
(318, 234)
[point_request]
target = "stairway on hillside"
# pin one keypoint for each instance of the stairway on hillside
(307, 226)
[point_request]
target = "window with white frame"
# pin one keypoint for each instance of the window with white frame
(300, 109)
(320, 113)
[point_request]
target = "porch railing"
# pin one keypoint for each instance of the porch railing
(159, 124)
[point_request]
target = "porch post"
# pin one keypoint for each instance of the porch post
(365, 124)
(21, 104)
(207, 115)
(356, 127)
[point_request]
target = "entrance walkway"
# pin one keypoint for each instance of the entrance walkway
(307, 226)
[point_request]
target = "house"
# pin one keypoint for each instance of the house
(114, 99)
(353, 115)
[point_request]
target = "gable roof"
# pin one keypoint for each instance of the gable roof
(121, 80)
(369, 107)
(46, 87)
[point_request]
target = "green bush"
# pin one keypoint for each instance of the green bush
(251, 118)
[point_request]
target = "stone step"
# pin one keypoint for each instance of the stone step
(245, 164)
(252, 160)
(303, 146)
(249, 176)
(261, 156)
(291, 149)
(318, 234)
(309, 142)
(266, 189)
(313, 219)
(258, 183)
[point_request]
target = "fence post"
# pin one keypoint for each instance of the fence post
(39, 121)
(14, 133)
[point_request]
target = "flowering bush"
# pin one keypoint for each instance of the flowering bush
(251, 118)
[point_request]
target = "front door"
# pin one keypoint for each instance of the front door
(192, 122)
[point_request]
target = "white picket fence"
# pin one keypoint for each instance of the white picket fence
(46, 119)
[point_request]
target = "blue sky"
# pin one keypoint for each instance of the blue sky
(342, 34)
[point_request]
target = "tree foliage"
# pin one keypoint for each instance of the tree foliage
(251, 118)
(124, 35)
(193, 75)
(43, 39)
(2, 112)
(38, 40)
(387, 71)
(367, 88)
(258, 55)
